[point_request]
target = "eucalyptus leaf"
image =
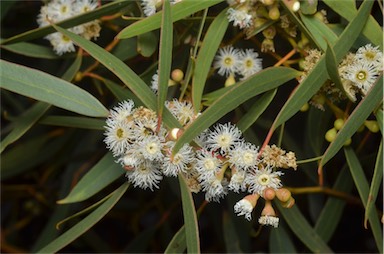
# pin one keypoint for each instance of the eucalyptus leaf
(126, 74)
(302, 229)
(178, 243)
(107, 9)
(207, 52)
(31, 50)
(179, 11)
(147, 44)
(80, 228)
(44, 87)
(363, 189)
(165, 56)
(74, 122)
(24, 122)
(190, 217)
(97, 178)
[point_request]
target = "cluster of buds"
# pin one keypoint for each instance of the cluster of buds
(58, 10)
(219, 160)
(253, 15)
(358, 72)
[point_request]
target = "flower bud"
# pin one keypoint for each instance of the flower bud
(269, 194)
(274, 13)
(283, 194)
(338, 124)
(372, 125)
(268, 209)
(305, 107)
(230, 80)
(348, 142)
(177, 75)
(289, 203)
(330, 135)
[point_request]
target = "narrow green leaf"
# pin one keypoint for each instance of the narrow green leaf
(122, 93)
(333, 69)
(23, 123)
(356, 119)
(179, 11)
(363, 189)
(332, 212)
(302, 229)
(107, 9)
(84, 225)
(318, 75)
(380, 119)
(97, 178)
(207, 52)
(308, 7)
(147, 44)
(178, 243)
(263, 81)
(280, 241)
(375, 183)
(44, 87)
(74, 122)
(190, 218)
(73, 69)
(256, 110)
(121, 70)
(210, 98)
(165, 56)
(231, 238)
(320, 31)
(347, 9)
(31, 50)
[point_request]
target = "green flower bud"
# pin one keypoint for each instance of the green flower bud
(330, 135)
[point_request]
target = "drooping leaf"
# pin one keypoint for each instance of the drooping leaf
(45, 87)
(362, 186)
(190, 218)
(97, 178)
(24, 122)
(263, 81)
(74, 122)
(355, 120)
(256, 110)
(80, 228)
(178, 243)
(302, 229)
(207, 52)
(179, 11)
(31, 50)
(347, 9)
(377, 179)
(107, 9)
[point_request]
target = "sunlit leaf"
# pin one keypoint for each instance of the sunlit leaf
(45, 87)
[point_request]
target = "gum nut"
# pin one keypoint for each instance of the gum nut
(338, 124)
(330, 135)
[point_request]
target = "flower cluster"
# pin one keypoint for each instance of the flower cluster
(219, 161)
(230, 61)
(254, 15)
(358, 72)
(58, 10)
